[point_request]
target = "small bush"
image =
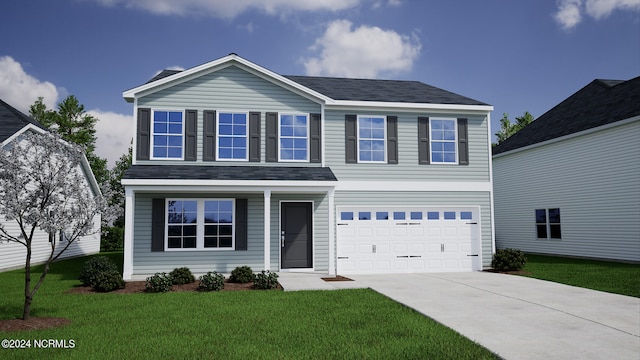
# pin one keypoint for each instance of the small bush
(108, 281)
(159, 282)
(112, 239)
(508, 260)
(94, 267)
(266, 280)
(182, 276)
(241, 274)
(211, 281)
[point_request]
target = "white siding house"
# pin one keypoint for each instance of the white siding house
(13, 124)
(569, 183)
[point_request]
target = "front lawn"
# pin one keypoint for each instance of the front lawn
(613, 277)
(240, 324)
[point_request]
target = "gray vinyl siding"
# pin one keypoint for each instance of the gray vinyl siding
(595, 181)
(229, 89)
(444, 199)
(147, 262)
(407, 167)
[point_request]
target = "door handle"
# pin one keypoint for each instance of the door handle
(282, 238)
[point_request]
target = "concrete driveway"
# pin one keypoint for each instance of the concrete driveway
(513, 316)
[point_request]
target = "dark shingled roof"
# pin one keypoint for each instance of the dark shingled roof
(12, 120)
(381, 90)
(599, 103)
(198, 172)
(370, 90)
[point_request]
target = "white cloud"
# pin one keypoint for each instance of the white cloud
(230, 9)
(569, 12)
(21, 90)
(114, 133)
(362, 52)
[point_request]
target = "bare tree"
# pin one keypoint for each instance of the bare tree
(43, 188)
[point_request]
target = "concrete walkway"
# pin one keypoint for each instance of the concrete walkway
(513, 316)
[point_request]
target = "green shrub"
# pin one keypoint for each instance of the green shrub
(241, 274)
(159, 282)
(266, 280)
(182, 276)
(508, 260)
(112, 239)
(211, 281)
(108, 281)
(93, 268)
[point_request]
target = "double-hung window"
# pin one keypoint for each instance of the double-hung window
(168, 134)
(548, 224)
(200, 224)
(294, 137)
(371, 139)
(232, 136)
(443, 141)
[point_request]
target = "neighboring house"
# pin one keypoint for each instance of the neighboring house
(13, 124)
(237, 165)
(569, 183)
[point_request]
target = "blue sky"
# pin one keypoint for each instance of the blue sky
(518, 56)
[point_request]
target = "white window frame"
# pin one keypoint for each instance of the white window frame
(292, 137)
(200, 225)
(246, 136)
(455, 142)
(384, 140)
(548, 225)
(153, 133)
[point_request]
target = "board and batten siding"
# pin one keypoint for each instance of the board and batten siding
(379, 199)
(200, 261)
(407, 167)
(595, 181)
(228, 89)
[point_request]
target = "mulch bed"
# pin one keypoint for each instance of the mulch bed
(337, 278)
(34, 323)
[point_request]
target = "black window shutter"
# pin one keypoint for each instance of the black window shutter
(242, 213)
(423, 140)
(143, 143)
(190, 135)
(463, 141)
(209, 136)
(315, 138)
(157, 224)
(351, 138)
(392, 139)
(254, 137)
(272, 137)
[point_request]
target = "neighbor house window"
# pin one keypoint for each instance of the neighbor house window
(443, 141)
(294, 137)
(548, 223)
(232, 136)
(200, 224)
(168, 133)
(371, 139)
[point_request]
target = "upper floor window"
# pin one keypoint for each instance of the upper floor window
(548, 224)
(371, 139)
(294, 137)
(443, 141)
(168, 133)
(232, 136)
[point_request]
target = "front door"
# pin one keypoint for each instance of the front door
(296, 235)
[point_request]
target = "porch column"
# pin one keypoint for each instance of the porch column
(332, 233)
(127, 267)
(267, 229)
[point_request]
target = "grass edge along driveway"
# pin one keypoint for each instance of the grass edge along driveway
(340, 324)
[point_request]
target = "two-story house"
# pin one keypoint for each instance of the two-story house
(237, 165)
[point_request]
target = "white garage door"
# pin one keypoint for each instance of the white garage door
(407, 239)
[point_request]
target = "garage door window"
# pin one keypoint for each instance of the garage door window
(364, 215)
(416, 215)
(346, 215)
(449, 215)
(466, 215)
(382, 215)
(399, 215)
(433, 215)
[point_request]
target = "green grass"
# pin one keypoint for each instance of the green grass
(613, 277)
(341, 324)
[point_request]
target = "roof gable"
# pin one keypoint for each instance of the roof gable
(12, 121)
(599, 103)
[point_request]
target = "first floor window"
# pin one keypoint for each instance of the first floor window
(168, 133)
(232, 136)
(200, 223)
(294, 137)
(548, 223)
(371, 139)
(443, 141)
